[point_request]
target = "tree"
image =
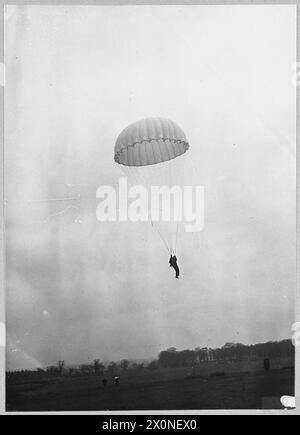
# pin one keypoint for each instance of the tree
(124, 364)
(153, 365)
(61, 365)
(112, 367)
(171, 349)
(52, 370)
(140, 367)
(40, 371)
(98, 367)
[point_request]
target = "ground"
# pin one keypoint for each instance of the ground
(231, 386)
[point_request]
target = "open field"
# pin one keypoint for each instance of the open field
(228, 386)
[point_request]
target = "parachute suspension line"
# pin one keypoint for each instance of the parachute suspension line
(176, 238)
(142, 177)
(177, 229)
(131, 175)
(181, 184)
(162, 239)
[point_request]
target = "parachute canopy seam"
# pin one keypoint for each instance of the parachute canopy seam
(119, 152)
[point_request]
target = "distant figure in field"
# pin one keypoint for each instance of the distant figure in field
(173, 263)
(267, 365)
(117, 380)
(104, 382)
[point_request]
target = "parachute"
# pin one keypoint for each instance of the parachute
(152, 152)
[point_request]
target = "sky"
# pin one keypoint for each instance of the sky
(78, 289)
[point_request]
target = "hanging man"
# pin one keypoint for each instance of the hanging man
(173, 263)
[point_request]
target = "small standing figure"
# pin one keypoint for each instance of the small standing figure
(267, 365)
(117, 380)
(173, 263)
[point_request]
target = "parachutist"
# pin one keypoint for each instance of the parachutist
(173, 263)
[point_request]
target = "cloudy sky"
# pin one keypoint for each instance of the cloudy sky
(78, 289)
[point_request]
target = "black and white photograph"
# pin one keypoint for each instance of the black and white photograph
(150, 207)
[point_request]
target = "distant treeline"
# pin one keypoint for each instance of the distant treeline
(170, 358)
(229, 353)
(95, 368)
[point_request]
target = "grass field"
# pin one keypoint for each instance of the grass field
(213, 386)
